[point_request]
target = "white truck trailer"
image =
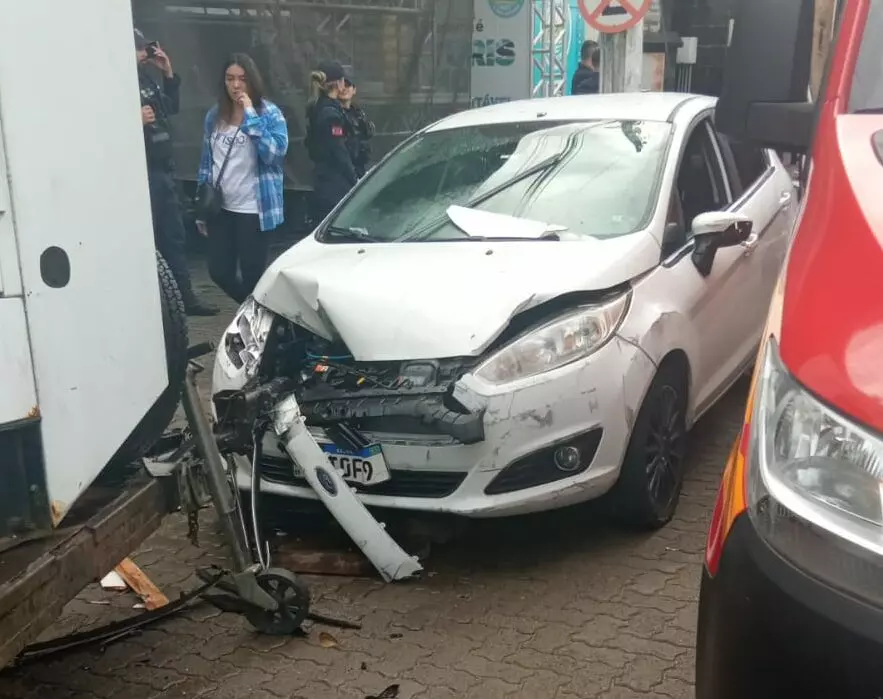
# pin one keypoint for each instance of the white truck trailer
(84, 379)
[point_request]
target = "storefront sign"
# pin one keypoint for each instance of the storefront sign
(501, 62)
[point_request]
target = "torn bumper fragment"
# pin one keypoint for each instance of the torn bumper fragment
(366, 532)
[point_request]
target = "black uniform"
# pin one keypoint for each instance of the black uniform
(361, 133)
(168, 226)
(329, 138)
(585, 81)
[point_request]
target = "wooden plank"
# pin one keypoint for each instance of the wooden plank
(141, 584)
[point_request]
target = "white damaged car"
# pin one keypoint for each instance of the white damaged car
(520, 308)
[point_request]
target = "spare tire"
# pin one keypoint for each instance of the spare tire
(157, 419)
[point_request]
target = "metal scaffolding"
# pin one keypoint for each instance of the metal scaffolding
(548, 48)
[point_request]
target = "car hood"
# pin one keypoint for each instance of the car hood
(395, 301)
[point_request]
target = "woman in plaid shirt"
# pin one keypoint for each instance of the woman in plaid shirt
(243, 151)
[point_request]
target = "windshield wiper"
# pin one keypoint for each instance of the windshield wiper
(353, 233)
(498, 238)
(541, 167)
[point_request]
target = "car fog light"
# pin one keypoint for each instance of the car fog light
(567, 459)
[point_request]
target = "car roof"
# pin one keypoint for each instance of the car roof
(675, 107)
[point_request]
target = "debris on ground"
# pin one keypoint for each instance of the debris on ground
(143, 586)
(115, 631)
(328, 550)
(390, 692)
(326, 640)
(114, 582)
(299, 557)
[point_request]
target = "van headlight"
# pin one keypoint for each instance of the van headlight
(814, 461)
(566, 339)
(815, 484)
(245, 339)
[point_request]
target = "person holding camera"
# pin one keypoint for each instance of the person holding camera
(158, 103)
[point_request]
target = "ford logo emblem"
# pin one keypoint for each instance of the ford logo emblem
(326, 481)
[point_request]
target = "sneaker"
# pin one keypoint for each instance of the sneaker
(198, 308)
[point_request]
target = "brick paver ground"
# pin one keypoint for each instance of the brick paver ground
(561, 605)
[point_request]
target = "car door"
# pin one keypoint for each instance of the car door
(764, 191)
(720, 306)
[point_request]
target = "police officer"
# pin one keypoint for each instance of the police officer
(158, 103)
(360, 126)
(329, 135)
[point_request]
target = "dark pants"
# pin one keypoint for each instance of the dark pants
(168, 228)
(236, 241)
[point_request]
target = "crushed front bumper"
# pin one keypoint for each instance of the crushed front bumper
(591, 403)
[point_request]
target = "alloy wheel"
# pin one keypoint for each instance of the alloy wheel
(665, 448)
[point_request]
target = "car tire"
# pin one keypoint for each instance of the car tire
(649, 487)
(157, 419)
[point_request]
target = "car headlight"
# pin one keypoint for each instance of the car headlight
(564, 340)
(246, 337)
(815, 483)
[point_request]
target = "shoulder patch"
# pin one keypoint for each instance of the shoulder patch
(336, 130)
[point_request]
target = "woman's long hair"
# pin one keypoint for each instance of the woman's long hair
(318, 86)
(254, 84)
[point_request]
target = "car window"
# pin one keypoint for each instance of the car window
(700, 183)
(586, 178)
(749, 161)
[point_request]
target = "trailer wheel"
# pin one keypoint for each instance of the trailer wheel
(174, 320)
(293, 598)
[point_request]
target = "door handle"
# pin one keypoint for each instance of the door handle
(750, 244)
(785, 199)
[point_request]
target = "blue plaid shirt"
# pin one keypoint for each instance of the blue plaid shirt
(269, 132)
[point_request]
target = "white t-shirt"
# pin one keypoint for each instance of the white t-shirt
(239, 186)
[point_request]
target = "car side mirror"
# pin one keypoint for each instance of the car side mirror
(714, 230)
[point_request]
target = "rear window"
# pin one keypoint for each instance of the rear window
(867, 83)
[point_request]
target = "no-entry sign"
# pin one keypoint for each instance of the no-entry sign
(613, 16)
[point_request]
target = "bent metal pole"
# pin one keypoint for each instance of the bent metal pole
(390, 560)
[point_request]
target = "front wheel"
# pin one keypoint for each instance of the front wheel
(649, 486)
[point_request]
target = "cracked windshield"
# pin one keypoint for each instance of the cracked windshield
(525, 170)
(441, 349)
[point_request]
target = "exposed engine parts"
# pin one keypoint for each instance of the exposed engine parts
(410, 397)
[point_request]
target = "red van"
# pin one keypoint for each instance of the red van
(791, 603)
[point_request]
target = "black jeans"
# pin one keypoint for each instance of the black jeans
(168, 228)
(236, 241)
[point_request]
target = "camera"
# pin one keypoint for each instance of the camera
(151, 49)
